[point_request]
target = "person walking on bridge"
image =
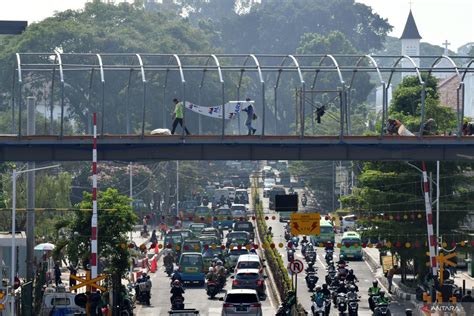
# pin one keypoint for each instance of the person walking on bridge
(178, 117)
(250, 117)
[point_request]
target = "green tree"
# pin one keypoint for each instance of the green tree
(115, 219)
(407, 96)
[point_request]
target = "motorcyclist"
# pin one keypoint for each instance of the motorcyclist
(326, 291)
(374, 290)
(269, 231)
(341, 288)
(176, 290)
(310, 268)
(221, 274)
(319, 295)
(351, 277)
(304, 240)
(382, 299)
(211, 276)
(352, 295)
(176, 276)
(168, 260)
(153, 238)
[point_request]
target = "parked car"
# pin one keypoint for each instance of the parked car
(249, 279)
(242, 302)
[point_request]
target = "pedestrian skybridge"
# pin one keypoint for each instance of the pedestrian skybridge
(132, 93)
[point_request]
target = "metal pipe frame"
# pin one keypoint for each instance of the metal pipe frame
(257, 66)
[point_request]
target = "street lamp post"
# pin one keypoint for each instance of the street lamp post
(15, 174)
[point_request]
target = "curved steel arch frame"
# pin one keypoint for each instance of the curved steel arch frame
(178, 66)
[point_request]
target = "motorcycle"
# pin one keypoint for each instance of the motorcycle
(211, 289)
(353, 306)
(310, 257)
(303, 249)
(382, 310)
(290, 255)
(321, 307)
(329, 256)
(372, 299)
(143, 292)
(311, 280)
(330, 277)
(169, 269)
(177, 303)
(144, 233)
(341, 303)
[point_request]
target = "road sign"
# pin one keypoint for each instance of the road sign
(87, 281)
(296, 266)
(305, 224)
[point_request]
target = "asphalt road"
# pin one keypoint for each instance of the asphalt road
(195, 297)
(361, 270)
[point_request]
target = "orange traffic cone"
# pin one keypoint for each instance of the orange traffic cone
(156, 249)
(153, 265)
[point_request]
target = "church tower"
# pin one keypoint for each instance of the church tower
(410, 43)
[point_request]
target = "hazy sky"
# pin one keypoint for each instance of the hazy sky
(437, 20)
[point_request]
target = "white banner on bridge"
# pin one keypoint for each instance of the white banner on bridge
(232, 108)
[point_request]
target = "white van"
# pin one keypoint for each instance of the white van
(58, 300)
(348, 222)
(250, 261)
(231, 191)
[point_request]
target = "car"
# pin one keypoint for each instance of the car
(197, 228)
(249, 279)
(250, 261)
(223, 218)
(202, 214)
(241, 238)
(348, 222)
(212, 231)
(186, 233)
(244, 226)
(242, 302)
(239, 207)
(232, 256)
(191, 268)
(243, 195)
(238, 214)
(210, 240)
(231, 191)
(191, 246)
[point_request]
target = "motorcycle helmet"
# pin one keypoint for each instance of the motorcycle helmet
(318, 288)
(382, 293)
(211, 269)
(351, 271)
(219, 263)
(176, 283)
(325, 286)
(375, 283)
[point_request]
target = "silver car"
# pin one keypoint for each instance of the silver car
(241, 302)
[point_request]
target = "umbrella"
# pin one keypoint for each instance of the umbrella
(45, 247)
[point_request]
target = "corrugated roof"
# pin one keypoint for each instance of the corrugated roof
(410, 31)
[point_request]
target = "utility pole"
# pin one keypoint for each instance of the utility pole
(30, 195)
(177, 187)
(437, 208)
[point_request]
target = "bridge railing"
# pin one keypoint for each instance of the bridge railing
(133, 93)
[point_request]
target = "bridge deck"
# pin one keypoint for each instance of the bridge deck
(201, 147)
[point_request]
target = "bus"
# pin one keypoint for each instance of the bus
(327, 233)
(351, 246)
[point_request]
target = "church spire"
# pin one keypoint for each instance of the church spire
(410, 31)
